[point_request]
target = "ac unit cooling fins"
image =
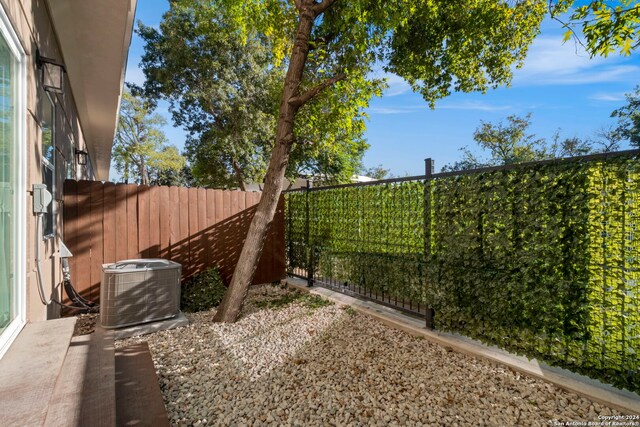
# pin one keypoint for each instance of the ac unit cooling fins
(138, 291)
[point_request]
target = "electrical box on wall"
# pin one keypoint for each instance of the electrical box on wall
(41, 198)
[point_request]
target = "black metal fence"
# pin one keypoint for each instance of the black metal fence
(541, 258)
(359, 239)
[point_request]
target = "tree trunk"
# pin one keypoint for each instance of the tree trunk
(231, 305)
(144, 178)
(239, 175)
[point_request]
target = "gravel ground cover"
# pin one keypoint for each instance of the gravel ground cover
(85, 324)
(296, 360)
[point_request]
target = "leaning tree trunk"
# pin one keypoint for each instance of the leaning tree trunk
(231, 304)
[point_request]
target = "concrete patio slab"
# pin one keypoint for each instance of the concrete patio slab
(29, 370)
(84, 394)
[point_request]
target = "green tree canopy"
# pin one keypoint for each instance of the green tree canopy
(438, 46)
(629, 119)
(140, 150)
(376, 172)
(224, 81)
(178, 178)
(510, 142)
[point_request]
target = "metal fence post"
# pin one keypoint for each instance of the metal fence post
(310, 259)
(428, 172)
(289, 244)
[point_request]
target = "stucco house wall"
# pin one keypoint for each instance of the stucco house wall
(32, 23)
(90, 38)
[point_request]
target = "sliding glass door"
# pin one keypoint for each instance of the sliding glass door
(12, 191)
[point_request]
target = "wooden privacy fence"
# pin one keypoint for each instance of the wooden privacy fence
(196, 227)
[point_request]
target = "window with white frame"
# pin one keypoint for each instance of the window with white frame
(12, 184)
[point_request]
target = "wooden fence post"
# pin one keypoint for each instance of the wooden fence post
(428, 172)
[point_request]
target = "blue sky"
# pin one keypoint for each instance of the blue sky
(559, 84)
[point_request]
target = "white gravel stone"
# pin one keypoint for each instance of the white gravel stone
(299, 366)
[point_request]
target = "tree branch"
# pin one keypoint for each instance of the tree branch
(302, 99)
(319, 8)
(576, 36)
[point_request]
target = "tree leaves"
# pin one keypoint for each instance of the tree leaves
(140, 150)
(511, 143)
(223, 78)
(629, 119)
(608, 27)
(221, 87)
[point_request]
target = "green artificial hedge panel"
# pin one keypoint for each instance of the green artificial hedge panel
(370, 236)
(508, 259)
(613, 292)
(540, 260)
(295, 235)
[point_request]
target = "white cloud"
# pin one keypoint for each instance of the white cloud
(608, 97)
(474, 105)
(397, 85)
(467, 105)
(395, 110)
(550, 62)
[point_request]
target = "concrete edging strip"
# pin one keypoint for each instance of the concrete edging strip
(622, 400)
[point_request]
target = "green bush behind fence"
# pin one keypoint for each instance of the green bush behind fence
(541, 260)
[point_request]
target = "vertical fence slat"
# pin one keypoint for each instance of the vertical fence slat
(242, 200)
(164, 204)
(143, 221)
(174, 221)
(202, 230)
(121, 222)
(82, 278)
(109, 224)
(219, 205)
(154, 222)
(235, 202)
(97, 232)
(183, 237)
(217, 229)
(132, 221)
(226, 204)
(210, 224)
(228, 241)
(193, 247)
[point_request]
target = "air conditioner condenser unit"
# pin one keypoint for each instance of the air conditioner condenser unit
(139, 291)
